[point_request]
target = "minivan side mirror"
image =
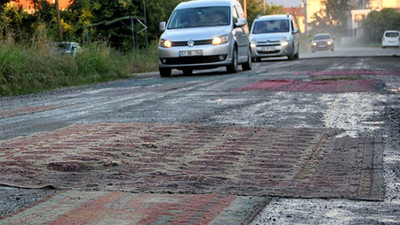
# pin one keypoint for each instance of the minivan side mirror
(163, 26)
(296, 30)
(241, 22)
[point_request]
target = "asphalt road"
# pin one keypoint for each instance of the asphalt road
(350, 95)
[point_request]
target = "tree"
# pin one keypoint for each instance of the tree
(84, 12)
(332, 18)
(377, 22)
(15, 23)
(255, 8)
(3, 2)
(158, 11)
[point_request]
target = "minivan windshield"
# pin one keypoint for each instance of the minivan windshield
(271, 26)
(200, 17)
(322, 37)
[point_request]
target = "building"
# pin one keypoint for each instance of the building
(28, 6)
(310, 8)
(381, 4)
(360, 10)
(375, 4)
(298, 14)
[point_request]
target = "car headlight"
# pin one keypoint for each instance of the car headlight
(220, 40)
(314, 44)
(284, 42)
(329, 42)
(165, 43)
(253, 43)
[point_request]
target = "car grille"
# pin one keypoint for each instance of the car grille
(267, 43)
(276, 44)
(193, 60)
(272, 52)
(185, 43)
(322, 43)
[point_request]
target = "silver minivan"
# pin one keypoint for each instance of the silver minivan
(274, 36)
(204, 34)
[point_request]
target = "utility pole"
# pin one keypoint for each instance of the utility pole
(245, 8)
(145, 22)
(60, 32)
(264, 6)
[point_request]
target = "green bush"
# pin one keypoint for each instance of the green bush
(34, 68)
(377, 22)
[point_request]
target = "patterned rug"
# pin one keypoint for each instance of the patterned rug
(191, 159)
(76, 207)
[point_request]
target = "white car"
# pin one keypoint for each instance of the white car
(204, 34)
(65, 47)
(274, 36)
(391, 38)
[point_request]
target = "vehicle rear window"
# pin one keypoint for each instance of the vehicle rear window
(391, 34)
(271, 26)
(322, 37)
(200, 17)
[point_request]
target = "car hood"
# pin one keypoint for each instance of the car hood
(197, 33)
(323, 40)
(273, 37)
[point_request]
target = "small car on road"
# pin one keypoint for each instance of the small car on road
(391, 38)
(321, 42)
(274, 36)
(204, 34)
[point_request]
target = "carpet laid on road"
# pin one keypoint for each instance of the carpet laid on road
(192, 159)
(335, 81)
(76, 207)
(327, 86)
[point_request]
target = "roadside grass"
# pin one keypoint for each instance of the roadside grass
(34, 67)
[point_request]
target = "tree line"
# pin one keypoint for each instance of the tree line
(17, 24)
(21, 26)
(332, 18)
(377, 22)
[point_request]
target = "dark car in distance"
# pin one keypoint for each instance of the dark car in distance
(321, 42)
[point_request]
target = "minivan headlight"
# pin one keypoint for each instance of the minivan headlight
(284, 43)
(220, 40)
(253, 43)
(165, 43)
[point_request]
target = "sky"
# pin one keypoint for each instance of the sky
(286, 3)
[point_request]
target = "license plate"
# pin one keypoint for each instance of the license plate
(322, 46)
(191, 53)
(267, 49)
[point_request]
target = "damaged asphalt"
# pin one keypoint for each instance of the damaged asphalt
(357, 96)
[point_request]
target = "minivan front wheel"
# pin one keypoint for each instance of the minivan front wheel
(249, 64)
(296, 56)
(292, 55)
(233, 67)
